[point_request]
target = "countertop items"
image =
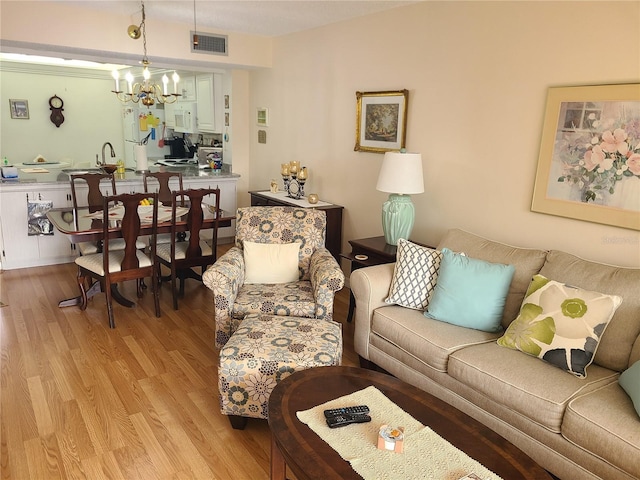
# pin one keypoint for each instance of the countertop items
(60, 174)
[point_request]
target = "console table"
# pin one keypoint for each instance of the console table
(333, 240)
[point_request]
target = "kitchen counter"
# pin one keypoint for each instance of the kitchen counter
(60, 174)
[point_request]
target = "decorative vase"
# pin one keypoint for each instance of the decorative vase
(626, 195)
(312, 198)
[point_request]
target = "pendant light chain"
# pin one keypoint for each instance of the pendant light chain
(144, 33)
(195, 27)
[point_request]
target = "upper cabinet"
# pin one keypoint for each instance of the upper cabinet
(187, 87)
(209, 92)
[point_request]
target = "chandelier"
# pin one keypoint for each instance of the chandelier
(146, 92)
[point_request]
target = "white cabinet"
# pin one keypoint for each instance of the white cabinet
(209, 91)
(187, 89)
(19, 249)
(206, 103)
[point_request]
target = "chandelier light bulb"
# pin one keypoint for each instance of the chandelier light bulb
(176, 78)
(116, 76)
(165, 83)
(129, 78)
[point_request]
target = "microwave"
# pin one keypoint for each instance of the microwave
(185, 117)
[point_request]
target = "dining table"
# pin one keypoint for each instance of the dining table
(85, 224)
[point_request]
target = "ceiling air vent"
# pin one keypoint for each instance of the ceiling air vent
(213, 44)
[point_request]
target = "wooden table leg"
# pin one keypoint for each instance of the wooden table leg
(278, 465)
(70, 302)
(95, 289)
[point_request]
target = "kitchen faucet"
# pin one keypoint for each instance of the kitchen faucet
(113, 153)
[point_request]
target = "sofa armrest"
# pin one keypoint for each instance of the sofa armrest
(326, 278)
(224, 278)
(370, 286)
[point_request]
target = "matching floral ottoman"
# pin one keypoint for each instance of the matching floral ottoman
(264, 350)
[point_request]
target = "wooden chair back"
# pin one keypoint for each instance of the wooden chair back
(129, 228)
(195, 220)
(164, 190)
(95, 198)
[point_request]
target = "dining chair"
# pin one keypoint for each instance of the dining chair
(95, 201)
(130, 263)
(181, 255)
(162, 179)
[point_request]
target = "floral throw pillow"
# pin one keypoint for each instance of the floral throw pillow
(561, 324)
(414, 276)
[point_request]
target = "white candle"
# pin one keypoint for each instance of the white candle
(165, 84)
(116, 75)
(176, 79)
(129, 78)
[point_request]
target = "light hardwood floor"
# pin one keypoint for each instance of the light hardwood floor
(79, 400)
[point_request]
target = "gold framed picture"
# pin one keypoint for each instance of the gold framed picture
(381, 121)
(589, 160)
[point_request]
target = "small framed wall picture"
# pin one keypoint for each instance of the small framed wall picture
(19, 109)
(263, 117)
(226, 102)
(226, 119)
(381, 123)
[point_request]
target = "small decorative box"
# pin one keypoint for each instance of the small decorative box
(391, 438)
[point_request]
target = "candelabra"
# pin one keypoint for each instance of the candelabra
(294, 178)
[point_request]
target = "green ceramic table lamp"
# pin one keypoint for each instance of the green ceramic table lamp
(400, 176)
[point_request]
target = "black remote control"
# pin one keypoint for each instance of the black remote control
(347, 419)
(358, 410)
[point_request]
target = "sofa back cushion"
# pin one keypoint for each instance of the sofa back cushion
(527, 263)
(614, 350)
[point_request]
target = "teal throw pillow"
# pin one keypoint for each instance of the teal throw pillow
(561, 324)
(470, 292)
(630, 382)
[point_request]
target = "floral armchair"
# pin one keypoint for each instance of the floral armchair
(311, 296)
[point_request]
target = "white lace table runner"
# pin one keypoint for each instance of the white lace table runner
(426, 454)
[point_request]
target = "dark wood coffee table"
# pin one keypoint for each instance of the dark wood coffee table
(294, 444)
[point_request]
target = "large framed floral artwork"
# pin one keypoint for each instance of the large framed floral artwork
(589, 163)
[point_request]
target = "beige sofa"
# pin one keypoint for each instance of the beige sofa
(576, 428)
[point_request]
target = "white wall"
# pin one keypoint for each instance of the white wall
(478, 74)
(92, 117)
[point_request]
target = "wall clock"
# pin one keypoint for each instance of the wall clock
(56, 104)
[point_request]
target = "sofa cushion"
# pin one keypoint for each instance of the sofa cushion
(561, 324)
(415, 275)
(615, 347)
(527, 263)
(523, 383)
(470, 292)
(630, 382)
(428, 340)
(604, 423)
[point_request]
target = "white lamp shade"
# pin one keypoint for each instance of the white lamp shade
(401, 173)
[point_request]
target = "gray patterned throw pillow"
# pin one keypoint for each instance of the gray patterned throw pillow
(415, 275)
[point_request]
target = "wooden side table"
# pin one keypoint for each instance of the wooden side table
(333, 240)
(376, 251)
